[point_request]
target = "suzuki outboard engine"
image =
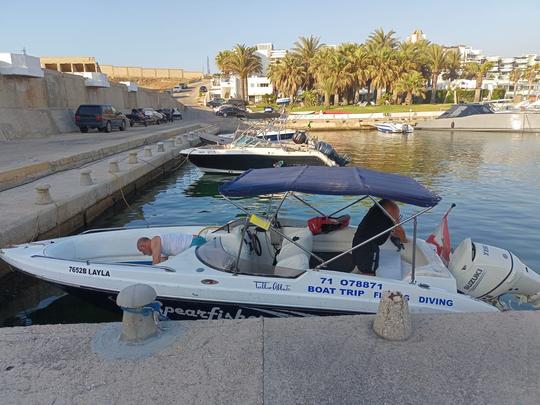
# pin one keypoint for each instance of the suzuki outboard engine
(486, 272)
(329, 151)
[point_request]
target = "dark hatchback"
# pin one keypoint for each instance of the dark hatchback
(103, 117)
(232, 112)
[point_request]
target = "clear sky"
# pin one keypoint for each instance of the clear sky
(174, 33)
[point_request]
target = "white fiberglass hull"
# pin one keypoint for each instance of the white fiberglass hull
(497, 122)
(101, 264)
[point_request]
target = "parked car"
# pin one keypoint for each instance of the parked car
(184, 86)
(269, 109)
(103, 117)
(137, 117)
(177, 89)
(216, 102)
(153, 115)
(177, 115)
(232, 111)
(167, 112)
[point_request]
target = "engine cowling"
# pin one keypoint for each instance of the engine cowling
(487, 272)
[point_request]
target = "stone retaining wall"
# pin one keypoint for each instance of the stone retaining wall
(31, 107)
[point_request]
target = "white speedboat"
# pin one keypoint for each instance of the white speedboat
(482, 117)
(275, 135)
(394, 128)
(248, 152)
(272, 266)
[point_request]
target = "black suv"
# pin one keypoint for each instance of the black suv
(101, 116)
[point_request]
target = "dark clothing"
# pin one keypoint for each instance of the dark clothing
(374, 222)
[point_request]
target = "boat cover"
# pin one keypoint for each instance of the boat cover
(330, 181)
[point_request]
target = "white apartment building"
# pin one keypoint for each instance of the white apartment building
(228, 86)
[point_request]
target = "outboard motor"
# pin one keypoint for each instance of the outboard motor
(300, 138)
(329, 151)
(487, 272)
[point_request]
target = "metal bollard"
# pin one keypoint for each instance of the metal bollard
(148, 151)
(43, 196)
(138, 319)
(160, 147)
(393, 319)
(113, 166)
(86, 178)
(132, 158)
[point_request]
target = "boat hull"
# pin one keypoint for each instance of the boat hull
(238, 163)
(184, 309)
(497, 122)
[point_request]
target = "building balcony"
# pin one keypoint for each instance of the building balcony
(14, 64)
(94, 79)
(131, 86)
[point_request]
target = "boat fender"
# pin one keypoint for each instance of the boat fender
(319, 225)
(452, 125)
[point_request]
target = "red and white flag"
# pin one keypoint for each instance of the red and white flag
(440, 238)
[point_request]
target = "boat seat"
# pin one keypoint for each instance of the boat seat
(302, 237)
(291, 256)
(289, 266)
(389, 262)
(231, 243)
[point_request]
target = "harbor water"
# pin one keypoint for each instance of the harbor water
(494, 178)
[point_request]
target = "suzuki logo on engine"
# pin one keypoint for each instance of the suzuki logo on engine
(473, 280)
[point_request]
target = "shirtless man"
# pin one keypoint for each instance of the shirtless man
(160, 247)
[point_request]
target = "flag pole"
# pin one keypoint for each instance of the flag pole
(449, 209)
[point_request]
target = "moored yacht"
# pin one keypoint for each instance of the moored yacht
(248, 152)
(482, 117)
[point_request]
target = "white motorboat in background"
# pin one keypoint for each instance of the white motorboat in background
(482, 117)
(394, 128)
(248, 152)
(275, 267)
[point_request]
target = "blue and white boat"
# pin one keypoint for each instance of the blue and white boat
(394, 128)
(273, 266)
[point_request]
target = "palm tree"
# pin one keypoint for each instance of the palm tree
(381, 39)
(381, 66)
(222, 61)
(411, 83)
(332, 75)
(305, 49)
(530, 74)
(287, 75)
(437, 61)
(242, 61)
(478, 71)
(515, 77)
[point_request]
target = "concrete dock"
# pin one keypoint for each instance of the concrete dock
(60, 165)
(458, 359)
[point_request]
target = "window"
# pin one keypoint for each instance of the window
(264, 85)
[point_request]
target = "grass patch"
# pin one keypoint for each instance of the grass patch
(355, 109)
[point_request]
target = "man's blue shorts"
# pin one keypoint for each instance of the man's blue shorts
(197, 241)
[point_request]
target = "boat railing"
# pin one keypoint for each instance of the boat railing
(88, 263)
(127, 228)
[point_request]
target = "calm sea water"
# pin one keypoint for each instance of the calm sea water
(493, 178)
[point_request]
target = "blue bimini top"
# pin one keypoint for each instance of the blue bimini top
(330, 181)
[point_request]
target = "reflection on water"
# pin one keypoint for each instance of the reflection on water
(493, 178)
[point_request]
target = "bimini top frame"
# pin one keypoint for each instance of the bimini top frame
(330, 181)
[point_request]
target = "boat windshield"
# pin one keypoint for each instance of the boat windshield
(464, 110)
(248, 140)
